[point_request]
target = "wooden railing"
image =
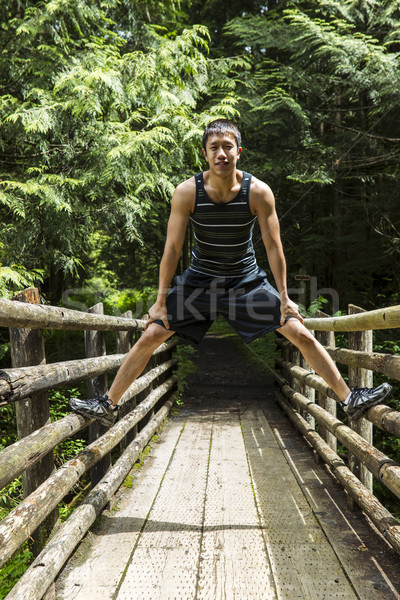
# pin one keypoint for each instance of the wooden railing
(308, 400)
(143, 408)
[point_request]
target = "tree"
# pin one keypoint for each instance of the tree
(97, 128)
(319, 108)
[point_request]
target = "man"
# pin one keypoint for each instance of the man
(223, 204)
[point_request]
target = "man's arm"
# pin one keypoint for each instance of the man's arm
(181, 207)
(263, 202)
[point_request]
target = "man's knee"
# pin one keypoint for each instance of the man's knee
(153, 337)
(300, 336)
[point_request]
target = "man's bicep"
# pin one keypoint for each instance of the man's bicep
(268, 220)
(178, 221)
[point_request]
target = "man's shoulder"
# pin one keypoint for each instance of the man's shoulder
(259, 186)
(184, 195)
(260, 191)
(186, 187)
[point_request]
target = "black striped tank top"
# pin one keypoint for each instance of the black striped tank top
(223, 233)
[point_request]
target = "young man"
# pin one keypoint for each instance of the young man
(223, 204)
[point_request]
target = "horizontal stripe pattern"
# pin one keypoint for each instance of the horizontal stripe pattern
(223, 232)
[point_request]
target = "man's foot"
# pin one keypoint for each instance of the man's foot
(361, 399)
(99, 408)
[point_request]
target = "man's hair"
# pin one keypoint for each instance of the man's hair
(222, 126)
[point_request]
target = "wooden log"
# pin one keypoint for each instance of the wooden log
(27, 516)
(48, 564)
(381, 318)
(16, 384)
(375, 361)
(385, 522)
(17, 314)
(329, 404)
(307, 390)
(95, 345)
(360, 340)
(22, 454)
(21, 383)
(312, 379)
(27, 348)
(378, 362)
(382, 416)
(385, 418)
(383, 467)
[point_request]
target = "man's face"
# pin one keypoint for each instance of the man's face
(222, 152)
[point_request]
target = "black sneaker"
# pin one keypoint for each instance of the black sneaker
(361, 399)
(99, 408)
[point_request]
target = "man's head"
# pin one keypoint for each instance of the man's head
(221, 126)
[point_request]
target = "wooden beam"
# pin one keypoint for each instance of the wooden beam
(382, 318)
(16, 384)
(361, 340)
(17, 314)
(95, 345)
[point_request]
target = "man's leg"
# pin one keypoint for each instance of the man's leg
(316, 356)
(136, 360)
(133, 364)
(360, 400)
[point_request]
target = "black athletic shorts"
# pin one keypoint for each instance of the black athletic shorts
(249, 303)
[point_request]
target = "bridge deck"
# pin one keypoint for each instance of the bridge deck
(230, 505)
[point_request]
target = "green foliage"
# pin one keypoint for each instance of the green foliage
(14, 569)
(98, 126)
(116, 302)
(317, 110)
(186, 366)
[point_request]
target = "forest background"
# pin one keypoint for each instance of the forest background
(102, 105)
(102, 108)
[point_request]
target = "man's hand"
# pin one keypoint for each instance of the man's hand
(289, 309)
(158, 311)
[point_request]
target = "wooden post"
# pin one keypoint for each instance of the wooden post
(124, 344)
(327, 338)
(27, 349)
(95, 345)
(361, 340)
(308, 392)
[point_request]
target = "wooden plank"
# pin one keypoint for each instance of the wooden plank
(303, 562)
(88, 576)
(368, 561)
(164, 562)
(233, 560)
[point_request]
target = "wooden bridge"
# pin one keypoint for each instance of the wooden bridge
(231, 502)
